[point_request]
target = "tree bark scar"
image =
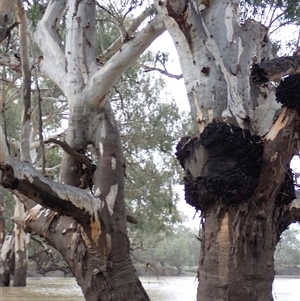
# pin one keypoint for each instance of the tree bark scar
(180, 17)
(8, 178)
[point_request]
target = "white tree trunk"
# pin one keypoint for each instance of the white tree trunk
(216, 53)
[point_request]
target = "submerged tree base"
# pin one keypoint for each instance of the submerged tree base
(244, 188)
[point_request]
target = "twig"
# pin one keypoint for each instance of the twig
(164, 72)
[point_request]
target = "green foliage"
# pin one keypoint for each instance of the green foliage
(9, 204)
(270, 11)
(34, 12)
(287, 250)
(150, 128)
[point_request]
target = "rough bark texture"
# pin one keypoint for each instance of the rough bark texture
(6, 253)
(20, 272)
(243, 200)
(2, 221)
(237, 170)
(87, 227)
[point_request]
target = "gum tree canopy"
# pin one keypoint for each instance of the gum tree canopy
(237, 164)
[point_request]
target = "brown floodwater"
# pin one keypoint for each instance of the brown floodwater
(162, 289)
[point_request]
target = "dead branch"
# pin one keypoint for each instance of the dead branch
(275, 69)
(292, 215)
(63, 199)
(70, 151)
(164, 72)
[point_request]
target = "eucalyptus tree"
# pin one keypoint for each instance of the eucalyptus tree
(88, 229)
(237, 164)
(237, 173)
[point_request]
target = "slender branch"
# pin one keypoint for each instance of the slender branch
(70, 151)
(164, 72)
(36, 144)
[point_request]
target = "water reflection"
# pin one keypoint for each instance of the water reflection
(45, 289)
(162, 289)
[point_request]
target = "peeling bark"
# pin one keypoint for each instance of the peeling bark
(216, 63)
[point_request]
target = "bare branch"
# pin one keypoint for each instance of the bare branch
(275, 69)
(36, 144)
(164, 72)
(70, 151)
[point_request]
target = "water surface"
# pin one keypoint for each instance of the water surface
(162, 289)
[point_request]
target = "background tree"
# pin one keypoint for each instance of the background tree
(287, 250)
(171, 254)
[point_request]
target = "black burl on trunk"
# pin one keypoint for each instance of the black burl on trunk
(222, 165)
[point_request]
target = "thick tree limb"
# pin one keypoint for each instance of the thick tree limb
(275, 69)
(103, 80)
(48, 39)
(63, 199)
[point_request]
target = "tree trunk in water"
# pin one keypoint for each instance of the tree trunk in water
(237, 164)
(244, 188)
(20, 272)
(2, 221)
(237, 256)
(6, 252)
